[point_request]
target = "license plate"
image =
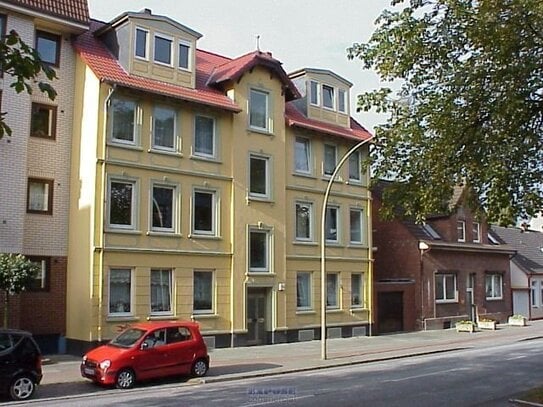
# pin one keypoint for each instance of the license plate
(89, 371)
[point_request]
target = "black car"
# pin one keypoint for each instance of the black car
(20, 364)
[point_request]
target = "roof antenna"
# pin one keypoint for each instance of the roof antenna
(258, 42)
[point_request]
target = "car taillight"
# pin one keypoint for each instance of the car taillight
(38, 362)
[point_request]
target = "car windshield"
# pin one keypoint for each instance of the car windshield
(128, 338)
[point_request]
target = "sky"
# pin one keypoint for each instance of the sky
(299, 33)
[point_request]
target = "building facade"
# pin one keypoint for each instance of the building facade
(432, 275)
(35, 164)
(196, 185)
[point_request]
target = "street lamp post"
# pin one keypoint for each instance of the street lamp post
(323, 244)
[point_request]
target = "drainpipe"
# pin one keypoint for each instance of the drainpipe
(103, 185)
(423, 248)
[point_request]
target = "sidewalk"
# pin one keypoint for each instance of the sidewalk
(242, 362)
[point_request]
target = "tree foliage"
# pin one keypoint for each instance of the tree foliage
(468, 104)
(16, 274)
(25, 66)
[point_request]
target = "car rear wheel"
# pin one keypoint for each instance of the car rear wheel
(125, 379)
(22, 388)
(199, 368)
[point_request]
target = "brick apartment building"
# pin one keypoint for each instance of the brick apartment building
(35, 164)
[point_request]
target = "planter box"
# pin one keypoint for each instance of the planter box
(487, 325)
(465, 327)
(515, 321)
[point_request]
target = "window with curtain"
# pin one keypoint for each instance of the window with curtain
(120, 294)
(204, 136)
(332, 291)
(303, 290)
(302, 155)
(161, 291)
(304, 215)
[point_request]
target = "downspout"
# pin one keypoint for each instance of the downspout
(103, 185)
(371, 264)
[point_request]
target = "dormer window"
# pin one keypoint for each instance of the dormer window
(315, 94)
(141, 48)
(163, 49)
(184, 55)
(328, 96)
(341, 101)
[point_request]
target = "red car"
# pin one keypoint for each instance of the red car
(148, 350)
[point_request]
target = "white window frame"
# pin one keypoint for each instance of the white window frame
(154, 144)
(136, 122)
(267, 181)
(444, 276)
(491, 277)
(461, 230)
(476, 230)
(358, 157)
(40, 191)
(362, 226)
(267, 250)
(213, 290)
(133, 203)
(170, 287)
(132, 305)
(214, 214)
(342, 99)
(360, 293)
(309, 278)
(324, 163)
(195, 152)
(267, 120)
(187, 44)
(146, 31)
(329, 210)
(308, 205)
(314, 90)
(535, 293)
(333, 98)
(174, 204)
(167, 38)
(330, 306)
(306, 143)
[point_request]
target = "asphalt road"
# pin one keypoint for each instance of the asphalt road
(473, 377)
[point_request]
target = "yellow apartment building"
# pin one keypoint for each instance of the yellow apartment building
(197, 184)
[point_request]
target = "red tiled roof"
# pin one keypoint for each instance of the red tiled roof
(107, 68)
(234, 68)
(75, 10)
(296, 118)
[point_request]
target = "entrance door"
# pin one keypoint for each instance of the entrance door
(390, 311)
(470, 300)
(256, 316)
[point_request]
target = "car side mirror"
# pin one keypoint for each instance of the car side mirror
(144, 346)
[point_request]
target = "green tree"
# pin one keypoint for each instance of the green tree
(467, 104)
(25, 66)
(16, 274)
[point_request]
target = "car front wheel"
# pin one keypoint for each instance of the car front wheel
(199, 368)
(125, 379)
(22, 388)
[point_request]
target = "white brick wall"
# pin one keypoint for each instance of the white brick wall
(22, 156)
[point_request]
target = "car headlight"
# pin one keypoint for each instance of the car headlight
(84, 358)
(105, 364)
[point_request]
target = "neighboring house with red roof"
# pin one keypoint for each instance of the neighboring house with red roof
(35, 164)
(432, 275)
(526, 268)
(197, 181)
